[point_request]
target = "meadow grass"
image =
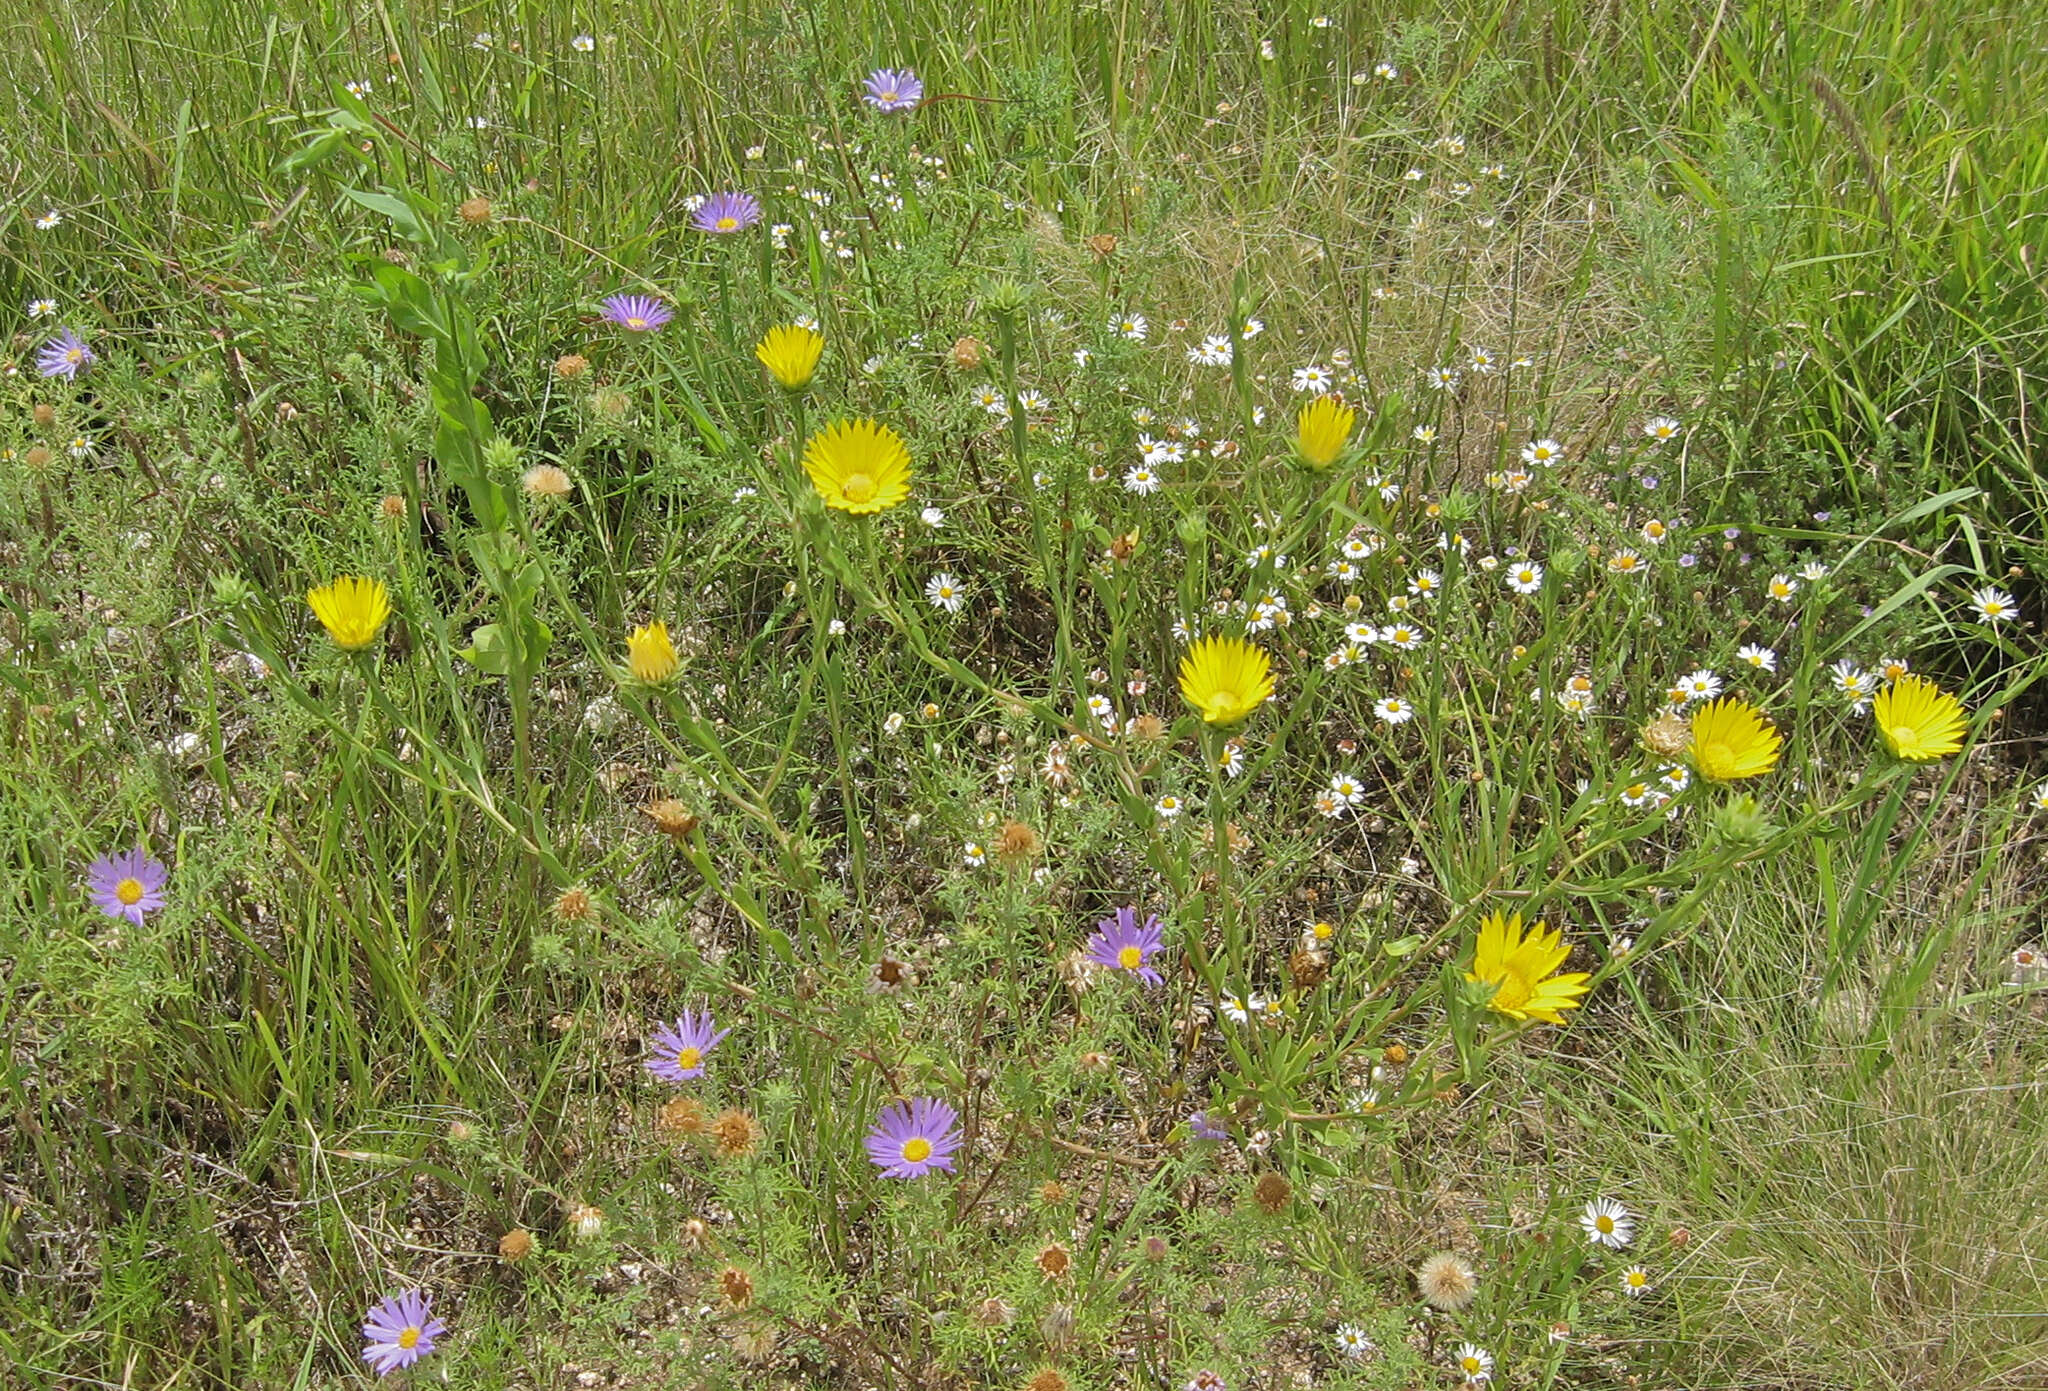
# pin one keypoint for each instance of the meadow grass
(430, 896)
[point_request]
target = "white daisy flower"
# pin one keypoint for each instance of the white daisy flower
(1608, 1223)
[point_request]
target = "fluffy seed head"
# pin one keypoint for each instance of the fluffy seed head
(1446, 1282)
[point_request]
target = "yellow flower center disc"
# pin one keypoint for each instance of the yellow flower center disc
(917, 1150)
(409, 1339)
(858, 487)
(688, 1057)
(129, 891)
(1130, 958)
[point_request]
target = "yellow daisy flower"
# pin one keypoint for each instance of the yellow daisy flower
(1519, 968)
(1225, 679)
(649, 653)
(351, 609)
(1731, 739)
(858, 466)
(790, 353)
(1321, 430)
(1918, 719)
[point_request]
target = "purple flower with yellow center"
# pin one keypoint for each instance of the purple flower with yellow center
(127, 885)
(680, 1048)
(725, 213)
(636, 313)
(64, 356)
(400, 1330)
(913, 1137)
(1203, 1127)
(1124, 944)
(892, 89)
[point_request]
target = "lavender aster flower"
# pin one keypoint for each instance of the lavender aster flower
(400, 1330)
(1123, 944)
(724, 213)
(679, 1049)
(912, 1138)
(891, 89)
(1204, 1128)
(127, 885)
(636, 313)
(64, 356)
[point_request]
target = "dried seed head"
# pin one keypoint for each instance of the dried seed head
(1148, 728)
(1668, 736)
(1056, 1327)
(38, 458)
(967, 353)
(737, 1134)
(1047, 1379)
(754, 1340)
(392, 508)
(1272, 1190)
(1052, 1192)
(1395, 1055)
(586, 1222)
(611, 403)
(1309, 967)
(545, 483)
(1103, 244)
(1054, 1260)
(570, 366)
(474, 210)
(1017, 843)
(515, 1246)
(994, 1313)
(45, 415)
(736, 1287)
(695, 1235)
(574, 904)
(670, 817)
(890, 976)
(1680, 1236)
(1447, 1282)
(1156, 1249)
(682, 1118)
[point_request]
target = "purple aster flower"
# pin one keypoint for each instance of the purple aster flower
(724, 213)
(890, 89)
(912, 1138)
(1123, 944)
(127, 885)
(400, 1330)
(636, 313)
(64, 356)
(679, 1049)
(1206, 1129)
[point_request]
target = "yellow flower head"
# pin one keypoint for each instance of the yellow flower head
(1321, 430)
(351, 609)
(1225, 679)
(1918, 719)
(1731, 739)
(790, 353)
(649, 653)
(1519, 968)
(858, 466)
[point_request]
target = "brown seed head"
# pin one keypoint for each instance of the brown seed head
(1047, 1379)
(1056, 1327)
(1017, 843)
(1103, 244)
(1156, 1249)
(1680, 1236)
(38, 458)
(967, 353)
(45, 414)
(391, 508)
(515, 1246)
(611, 403)
(736, 1287)
(994, 1313)
(1052, 1192)
(670, 817)
(1272, 1190)
(1148, 728)
(570, 366)
(1054, 1260)
(737, 1134)
(889, 976)
(1394, 1055)
(574, 904)
(1309, 967)
(682, 1118)
(474, 210)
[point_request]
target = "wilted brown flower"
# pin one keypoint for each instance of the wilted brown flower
(737, 1133)
(1123, 547)
(1272, 1190)
(889, 976)
(44, 415)
(515, 1246)
(570, 366)
(1054, 1260)
(391, 508)
(474, 210)
(1309, 968)
(1017, 843)
(670, 817)
(1052, 1192)
(1056, 1326)
(574, 904)
(967, 353)
(736, 1287)
(1047, 1379)
(1156, 1248)
(1148, 728)
(1447, 1282)
(994, 1313)
(1103, 244)
(1668, 736)
(682, 1118)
